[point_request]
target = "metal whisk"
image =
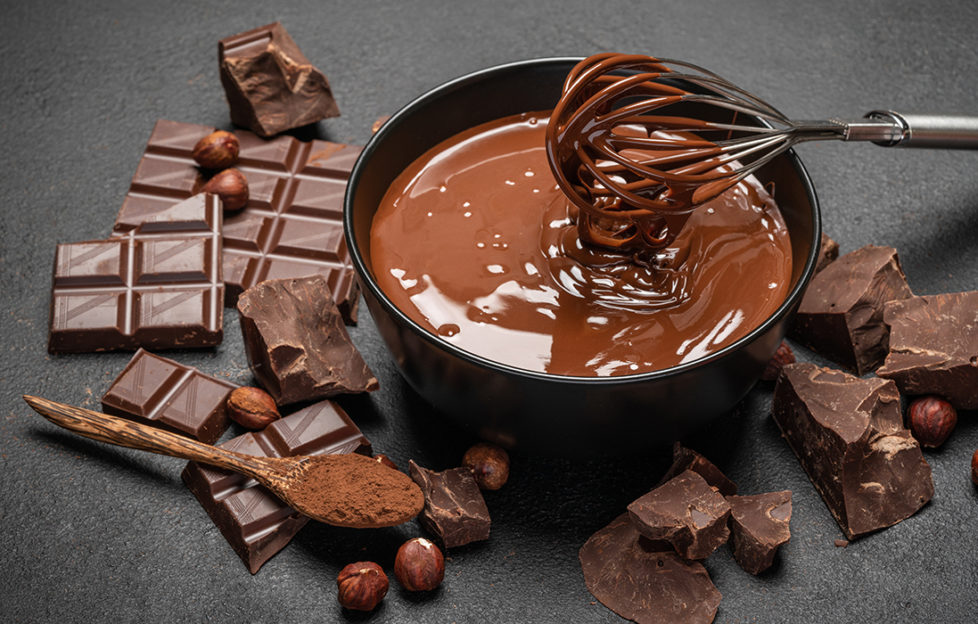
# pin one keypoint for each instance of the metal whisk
(638, 142)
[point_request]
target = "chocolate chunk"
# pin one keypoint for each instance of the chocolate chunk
(254, 522)
(758, 527)
(849, 436)
(292, 225)
(640, 582)
(841, 314)
(158, 284)
(686, 512)
(270, 85)
(934, 346)
(828, 251)
(297, 345)
(454, 510)
(156, 391)
(687, 459)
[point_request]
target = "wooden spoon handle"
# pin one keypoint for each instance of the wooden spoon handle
(122, 432)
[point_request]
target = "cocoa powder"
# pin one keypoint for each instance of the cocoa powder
(356, 491)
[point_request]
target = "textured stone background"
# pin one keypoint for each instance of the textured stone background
(96, 533)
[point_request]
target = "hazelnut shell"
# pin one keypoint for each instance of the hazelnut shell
(419, 565)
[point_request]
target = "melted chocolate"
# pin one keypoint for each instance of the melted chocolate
(475, 242)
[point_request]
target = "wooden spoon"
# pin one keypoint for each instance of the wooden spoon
(384, 496)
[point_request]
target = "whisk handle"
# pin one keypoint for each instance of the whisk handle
(915, 130)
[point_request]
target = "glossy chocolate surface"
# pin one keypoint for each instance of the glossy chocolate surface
(292, 223)
(156, 284)
(475, 242)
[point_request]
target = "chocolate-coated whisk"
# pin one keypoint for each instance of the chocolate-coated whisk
(638, 142)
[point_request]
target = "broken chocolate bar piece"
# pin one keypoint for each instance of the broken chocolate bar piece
(849, 436)
(640, 582)
(687, 459)
(934, 347)
(157, 391)
(270, 85)
(297, 345)
(454, 510)
(841, 314)
(254, 522)
(292, 225)
(758, 527)
(156, 285)
(828, 251)
(686, 512)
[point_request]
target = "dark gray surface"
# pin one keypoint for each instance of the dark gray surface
(93, 533)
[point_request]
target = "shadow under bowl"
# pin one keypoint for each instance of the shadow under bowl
(534, 411)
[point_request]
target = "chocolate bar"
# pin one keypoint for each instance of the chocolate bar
(759, 527)
(156, 391)
(454, 510)
(934, 346)
(292, 225)
(849, 437)
(254, 522)
(841, 314)
(270, 85)
(685, 512)
(687, 459)
(642, 582)
(157, 284)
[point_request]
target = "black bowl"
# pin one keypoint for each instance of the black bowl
(546, 413)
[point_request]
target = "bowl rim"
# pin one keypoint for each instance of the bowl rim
(366, 279)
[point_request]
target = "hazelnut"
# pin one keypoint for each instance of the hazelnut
(252, 408)
(231, 186)
(781, 358)
(974, 467)
(419, 565)
(385, 460)
(217, 150)
(489, 464)
(361, 586)
(932, 420)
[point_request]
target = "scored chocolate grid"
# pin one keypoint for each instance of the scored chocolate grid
(292, 225)
(160, 289)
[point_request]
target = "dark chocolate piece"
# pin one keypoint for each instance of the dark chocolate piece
(841, 314)
(934, 347)
(758, 527)
(157, 285)
(254, 522)
(292, 225)
(687, 459)
(297, 345)
(640, 582)
(270, 85)
(828, 251)
(849, 436)
(686, 512)
(454, 510)
(156, 391)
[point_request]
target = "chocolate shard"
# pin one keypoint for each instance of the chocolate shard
(254, 522)
(849, 436)
(934, 346)
(454, 510)
(292, 225)
(687, 459)
(270, 85)
(841, 314)
(157, 391)
(686, 512)
(758, 527)
(828, 251)
(158, 284)
(297, 346)
(640, 582)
